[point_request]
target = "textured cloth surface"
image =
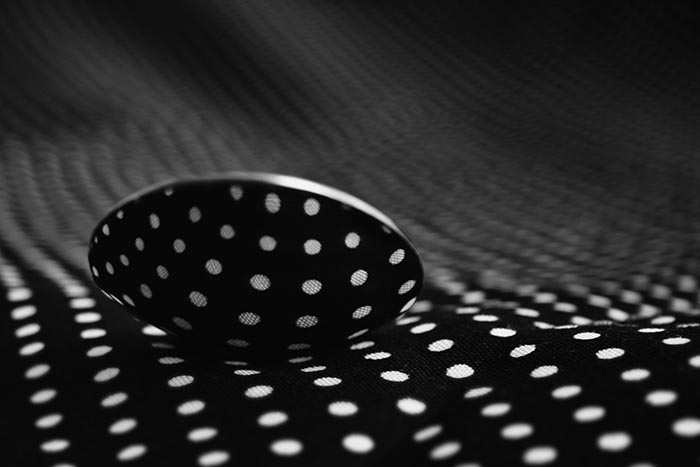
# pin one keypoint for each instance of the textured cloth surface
(542, 156)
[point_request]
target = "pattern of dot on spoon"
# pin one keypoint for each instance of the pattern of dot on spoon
(255, 263)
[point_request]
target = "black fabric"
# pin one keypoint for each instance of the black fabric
(541, 155)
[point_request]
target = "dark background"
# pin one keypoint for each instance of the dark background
(523, 146)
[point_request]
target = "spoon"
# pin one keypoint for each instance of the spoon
(254, 263)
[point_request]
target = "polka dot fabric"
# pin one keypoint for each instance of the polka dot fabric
(255, 264)
(542, 157)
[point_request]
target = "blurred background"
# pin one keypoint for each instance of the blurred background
(543, 156)
(549, 143)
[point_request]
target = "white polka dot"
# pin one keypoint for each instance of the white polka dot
(614, 441)
(377, 355)
(37, 371)
(124, 260)
(286, 447)
(306, 321)
(190, 407)
(138, 243)
(106, 374)
(18, 294)
(586, 336)
(342, 408)
(257, 392)
(445, 450)
(150, 330)
(182, 323)
(522, 350)
(496, 409)
(268, 243)
(485, 318)
(249, 319)
(610, 353)
(82, 303)
(238, 343)
(114, 399)
(179, 381)
(170, 360)
(590, 413)
(154, 220)
(397, 256)
(31, 349)
(650, 330)
(42, 396)
(273, 203)
(179, 245)
(459, 371)
(427, 433)
(131, 452)
(105, 229)
(408, 320)
(421, 328)
(565, 307)
(128, 300)
(49, 421)
(661, 397)
(362, 345)
(236, 192)
(441, 345)
(396, 376)
(566, 392)
(694, 361)
(687, 427)
(406, 286)
(352, 240)
(99, 351)
(299, 346)
(361, 312)
(247, 372)
(213, 458)
(539, 455)
(311, 287)
(663, 320)
(312, 247)
(312, 206)
(260, 282)
(517, 431)
(227, 232)
(359, 277)
(23, 312)
(87, 317)
(274, 418)
(213, 266)
(358, 443)
(502, 332)
(195, 214)
(109, 267)
(122, 426)
(55, 445)
(544, 371)
(201, 434)
(477, 392)
(162, 272)
(27, 330)
(635, 374)
(676, 341)
(408, 304)
(327, 381)
(146, 291)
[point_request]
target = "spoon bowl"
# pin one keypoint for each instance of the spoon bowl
(254, 263)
